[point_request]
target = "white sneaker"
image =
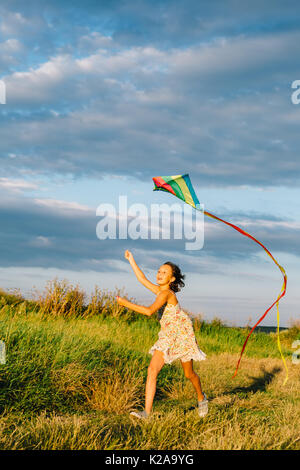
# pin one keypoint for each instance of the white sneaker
(203, 407)
(140, 414)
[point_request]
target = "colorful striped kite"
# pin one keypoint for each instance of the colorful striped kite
(181, 187)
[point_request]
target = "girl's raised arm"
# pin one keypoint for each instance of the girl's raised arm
(140, 275)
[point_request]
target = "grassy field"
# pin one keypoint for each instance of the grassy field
(75, 369)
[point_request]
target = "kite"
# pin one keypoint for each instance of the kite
(181, 187)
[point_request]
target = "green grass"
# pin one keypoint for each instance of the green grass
(69, 383)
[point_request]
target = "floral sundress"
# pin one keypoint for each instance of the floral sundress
(176, 338)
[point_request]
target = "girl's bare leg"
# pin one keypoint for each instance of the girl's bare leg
(193, 377)
(155, 366)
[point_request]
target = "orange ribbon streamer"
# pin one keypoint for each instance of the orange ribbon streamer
(283, 291)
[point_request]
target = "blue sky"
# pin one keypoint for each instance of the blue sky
(102, 96)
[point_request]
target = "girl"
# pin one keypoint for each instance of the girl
(176, 337)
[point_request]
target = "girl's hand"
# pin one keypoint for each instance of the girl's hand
(120, 300)
(128, 255)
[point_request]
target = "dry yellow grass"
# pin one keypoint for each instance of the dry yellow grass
(71, 379)
(61, 299)
(116, 392)
(54, 432)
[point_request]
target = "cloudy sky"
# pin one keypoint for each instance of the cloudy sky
(103, 95)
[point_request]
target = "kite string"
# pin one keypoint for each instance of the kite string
(283, 290)
(279, 346)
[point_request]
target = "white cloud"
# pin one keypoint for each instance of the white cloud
(40, 242)
(10, 46)
(17, 185)
(40, 84)
(94, 41)
(176, 69)
(12, 22)
(62, 205)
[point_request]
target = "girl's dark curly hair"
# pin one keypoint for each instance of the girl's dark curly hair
(176, 285)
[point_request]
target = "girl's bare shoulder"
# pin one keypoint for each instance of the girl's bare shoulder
(169, 296)
(172, 299)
